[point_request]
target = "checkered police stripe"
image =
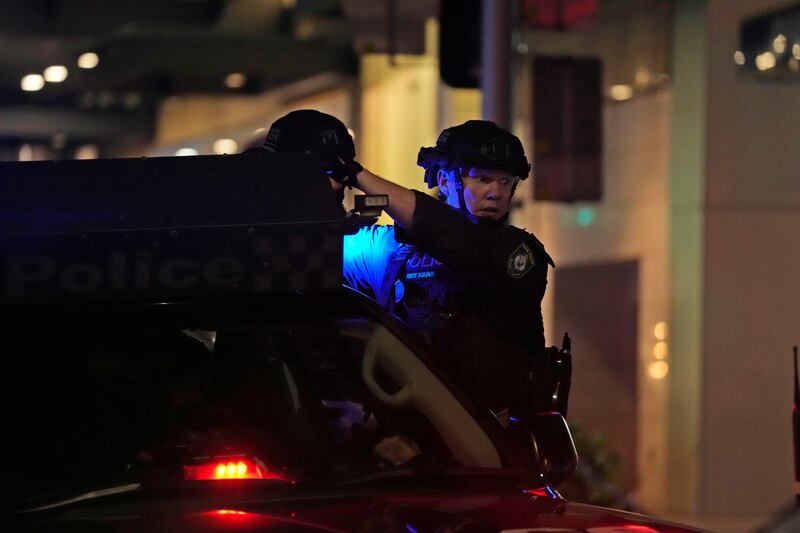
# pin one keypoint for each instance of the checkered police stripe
(299, 261)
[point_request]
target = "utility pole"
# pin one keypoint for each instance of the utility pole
(496, 62)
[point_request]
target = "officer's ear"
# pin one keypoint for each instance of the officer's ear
(444, 180)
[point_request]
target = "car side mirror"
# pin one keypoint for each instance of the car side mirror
(548, 437)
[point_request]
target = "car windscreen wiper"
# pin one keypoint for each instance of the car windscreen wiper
(86, 496)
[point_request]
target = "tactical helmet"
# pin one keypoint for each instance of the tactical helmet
(475, 143)
(308, 130)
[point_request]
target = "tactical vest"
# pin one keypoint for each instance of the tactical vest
(422, 291)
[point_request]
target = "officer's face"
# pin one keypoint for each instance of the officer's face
(487, 192)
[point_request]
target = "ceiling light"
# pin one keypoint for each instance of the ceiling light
(186, 151)
(765, 61)
(796, 51)
(235, 80)
(32, 82)
(621, 92)
(55, 73)
(88, 60)
(225, 146)
(779, 43)
(738, 57)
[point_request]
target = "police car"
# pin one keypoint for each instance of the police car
(179, 354)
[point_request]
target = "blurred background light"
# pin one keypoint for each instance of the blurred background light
(25, 153)
(105, 99)
(660, 331)
(779, 43)
(658, 369)
(87, 151)
(585, 216)
(55, 73)
(642, 77)
(738, 57)
(660, 350)
(235, 80)
(186, 151)
(765, 61)
(32, 82)
(88, 60)
(224, 146)
(796, 50)
(621, 92)
(132, 100)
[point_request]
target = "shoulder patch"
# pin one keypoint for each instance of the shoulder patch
(538, 246)
(521, 261)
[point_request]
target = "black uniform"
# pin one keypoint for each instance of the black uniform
(474, 293)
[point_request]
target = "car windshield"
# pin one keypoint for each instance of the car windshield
(111, 400)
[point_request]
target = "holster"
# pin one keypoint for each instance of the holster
(549, 380)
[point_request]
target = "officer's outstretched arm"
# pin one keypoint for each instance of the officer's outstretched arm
(402, 201)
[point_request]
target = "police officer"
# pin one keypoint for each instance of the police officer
(453, 270)
(308, 131)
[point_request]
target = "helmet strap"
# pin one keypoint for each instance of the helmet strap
(459, 184)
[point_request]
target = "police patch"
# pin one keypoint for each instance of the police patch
(520, 261)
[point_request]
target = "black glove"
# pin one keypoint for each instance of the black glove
(342, 170)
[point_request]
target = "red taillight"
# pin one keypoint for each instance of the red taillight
(542, 492)
(229, 469)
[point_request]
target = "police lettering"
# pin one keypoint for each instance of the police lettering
(424, 261)
(139, 271)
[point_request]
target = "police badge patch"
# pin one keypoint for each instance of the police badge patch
(520, 261)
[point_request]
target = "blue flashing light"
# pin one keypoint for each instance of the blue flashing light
(411, 529)
(513, 418)
(365, 255)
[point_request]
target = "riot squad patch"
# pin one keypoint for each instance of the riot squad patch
(520, 261)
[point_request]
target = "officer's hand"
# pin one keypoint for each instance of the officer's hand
(342, 170)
